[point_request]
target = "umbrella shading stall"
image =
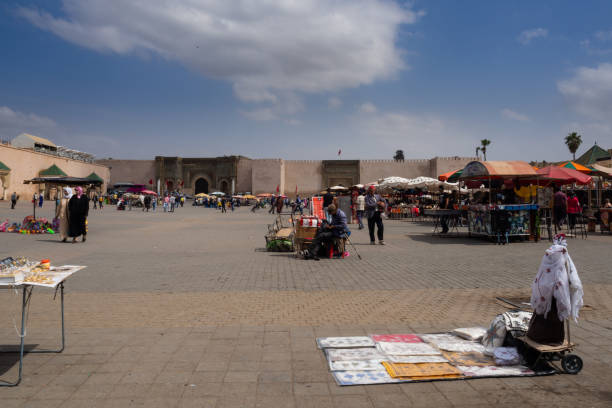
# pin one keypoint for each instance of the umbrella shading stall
(495, 220)
(576, 166)
(563, 175)
(451, 176)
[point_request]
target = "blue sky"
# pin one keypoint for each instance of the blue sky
(300, 80)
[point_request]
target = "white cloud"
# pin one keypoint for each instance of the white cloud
(286, 104)
(589, 92)
(604, 35)
(261, 47)
(510, 114)
(368, 108)
(334, 102)
(599, 44)
(526, 36)
(13, 122)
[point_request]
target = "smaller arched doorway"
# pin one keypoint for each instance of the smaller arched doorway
(201, 186)
(170, 185)
(224, 187)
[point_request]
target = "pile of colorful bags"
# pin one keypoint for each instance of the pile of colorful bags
(31, 225)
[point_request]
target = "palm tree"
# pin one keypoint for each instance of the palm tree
(483, 147)
(573, 142)
(477, 151)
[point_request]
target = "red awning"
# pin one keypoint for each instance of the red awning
(564, 175)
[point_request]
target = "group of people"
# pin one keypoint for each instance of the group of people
(72, 212)
(170, 202)
(565, 208)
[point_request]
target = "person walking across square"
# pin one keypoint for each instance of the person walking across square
(374, 207)
(360, 209)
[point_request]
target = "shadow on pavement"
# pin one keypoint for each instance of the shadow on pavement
(460, 239)
(9, 355)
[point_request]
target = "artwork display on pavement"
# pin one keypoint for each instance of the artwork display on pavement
(393, 358)
(345, 342)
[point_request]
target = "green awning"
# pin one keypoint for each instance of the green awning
(4, 167)
(593, 155)
(53, 171)
(94, 176)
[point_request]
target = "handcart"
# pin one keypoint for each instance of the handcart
(280, 234)
(571, 363)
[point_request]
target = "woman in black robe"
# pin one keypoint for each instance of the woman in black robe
(78, 209)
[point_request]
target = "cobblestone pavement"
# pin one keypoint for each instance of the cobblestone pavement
(186, 309)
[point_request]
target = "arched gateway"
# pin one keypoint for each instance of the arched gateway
(201, 186)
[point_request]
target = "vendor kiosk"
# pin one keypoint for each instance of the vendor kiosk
(494, 219)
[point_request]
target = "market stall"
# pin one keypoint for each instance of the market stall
(60, 181)
(500, 215)
(21, 273)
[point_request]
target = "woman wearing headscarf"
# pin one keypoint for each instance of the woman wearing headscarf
(78, 209)
(61, 213)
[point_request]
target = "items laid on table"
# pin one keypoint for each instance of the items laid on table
(16, 271)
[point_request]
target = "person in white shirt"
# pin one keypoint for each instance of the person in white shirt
(360, 209)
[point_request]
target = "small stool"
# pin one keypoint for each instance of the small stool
(340, 243)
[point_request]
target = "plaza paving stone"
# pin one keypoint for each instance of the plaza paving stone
(187, 309)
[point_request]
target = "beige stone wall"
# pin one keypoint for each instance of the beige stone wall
(441, 165)
(373, 170)
(267, 174)
(131, 171)
(26, 164)
(307, 175)
(244, 177)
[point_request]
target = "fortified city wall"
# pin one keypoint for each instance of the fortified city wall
(130, 171)
(307, 175)
(244, 179)
(264, 175)
(373, 170)
(26, 164)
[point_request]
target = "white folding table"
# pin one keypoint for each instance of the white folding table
(57, 276)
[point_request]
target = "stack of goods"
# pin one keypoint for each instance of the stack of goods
(12, 270)
(394, 358)
(6, 226)
(21, 270)
(31, 225)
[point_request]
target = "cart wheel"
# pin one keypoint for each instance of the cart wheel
(571, 363)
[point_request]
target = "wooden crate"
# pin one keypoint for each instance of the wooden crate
(305, 232)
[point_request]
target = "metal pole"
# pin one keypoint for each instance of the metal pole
(62, 301)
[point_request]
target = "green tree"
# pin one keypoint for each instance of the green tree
(573, 142)
(483, 147)
(399, 155)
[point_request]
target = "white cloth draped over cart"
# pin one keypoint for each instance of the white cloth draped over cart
(558, 278)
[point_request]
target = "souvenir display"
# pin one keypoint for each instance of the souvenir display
(345, 342)
(21, 270)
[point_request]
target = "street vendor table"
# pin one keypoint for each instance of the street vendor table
(497, 220)
(453, 219)
(57, 276)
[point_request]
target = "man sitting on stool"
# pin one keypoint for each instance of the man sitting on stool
(327, 232)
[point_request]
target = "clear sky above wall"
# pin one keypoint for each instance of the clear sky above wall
(304, 79)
